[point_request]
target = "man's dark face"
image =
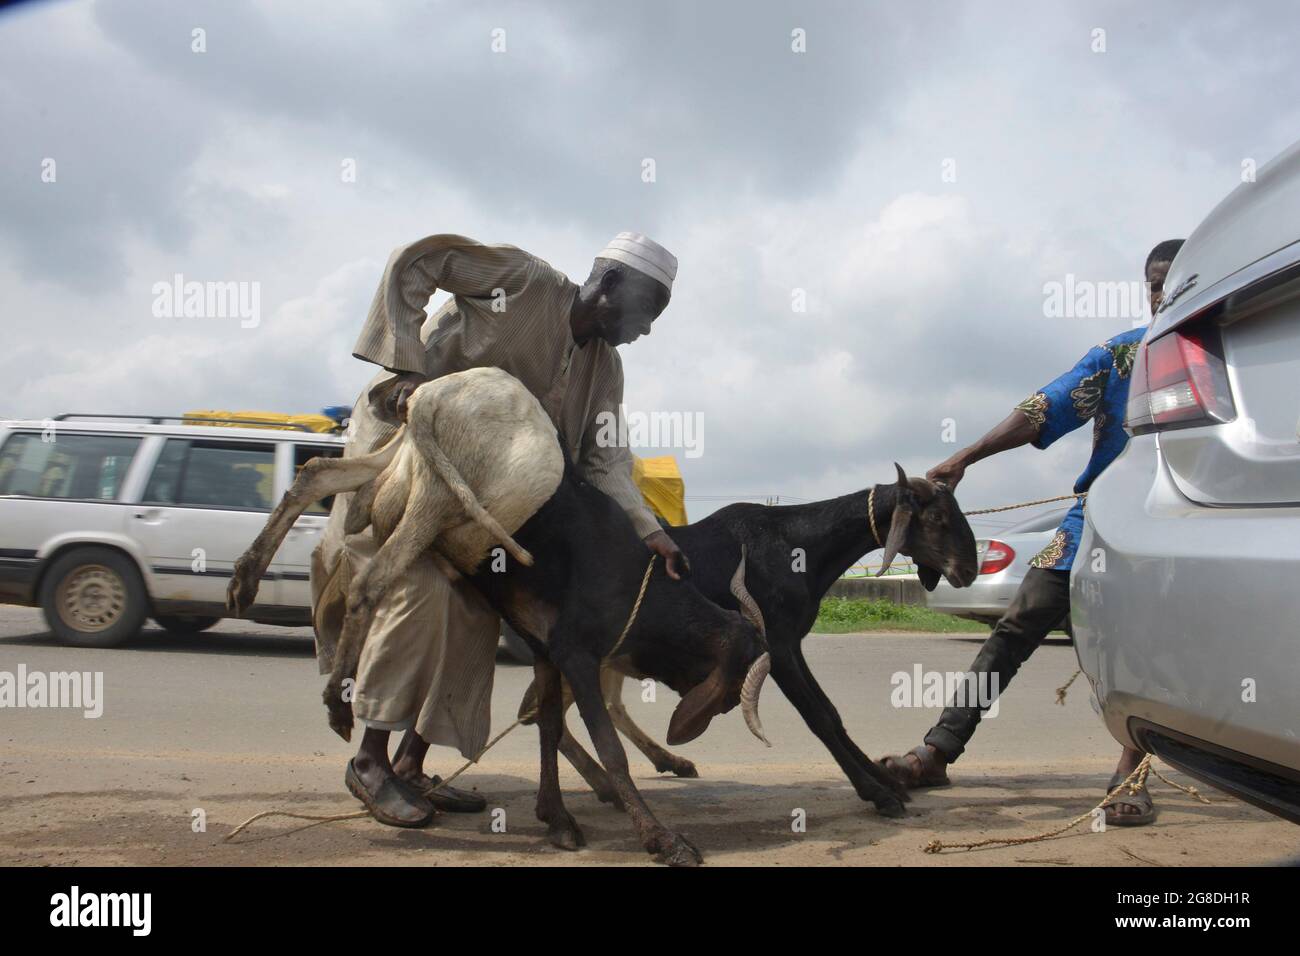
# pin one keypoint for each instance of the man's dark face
(626, 304)
(1156, 273)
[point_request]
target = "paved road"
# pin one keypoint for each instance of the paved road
(229, 723)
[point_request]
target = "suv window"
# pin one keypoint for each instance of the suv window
(305, 453)
(83, 467)
(213, 474)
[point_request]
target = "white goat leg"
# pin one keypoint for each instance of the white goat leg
(319, 478)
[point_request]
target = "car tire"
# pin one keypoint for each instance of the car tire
(94, 597)
(184, 623)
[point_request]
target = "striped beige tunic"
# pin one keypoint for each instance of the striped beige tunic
(429, 658)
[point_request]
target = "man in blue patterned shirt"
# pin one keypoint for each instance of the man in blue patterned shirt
(1095, 390)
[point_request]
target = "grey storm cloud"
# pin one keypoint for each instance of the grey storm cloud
(781, 176)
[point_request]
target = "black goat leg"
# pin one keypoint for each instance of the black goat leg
(797, 683)
(582, 670)
(591, 771)
(561, 829)
(870, 766)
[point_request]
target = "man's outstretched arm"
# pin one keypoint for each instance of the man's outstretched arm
(1057, 409)
(1015, 430)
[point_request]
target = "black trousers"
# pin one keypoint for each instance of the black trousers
(1040, 604)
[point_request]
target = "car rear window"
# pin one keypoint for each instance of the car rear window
(213, 474)
(81, 467)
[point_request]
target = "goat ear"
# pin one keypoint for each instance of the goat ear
(701, 704)
(898, 525)
(897, 533)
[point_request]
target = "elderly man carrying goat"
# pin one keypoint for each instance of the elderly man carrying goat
(428, 661)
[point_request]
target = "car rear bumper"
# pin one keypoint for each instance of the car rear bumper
(1185, 615)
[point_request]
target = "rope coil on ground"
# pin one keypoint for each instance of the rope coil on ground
(357, 814)
(1134, 782)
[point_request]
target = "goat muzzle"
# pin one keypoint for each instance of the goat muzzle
(750, 692)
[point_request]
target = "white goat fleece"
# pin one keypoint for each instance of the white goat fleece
(485, 427)
(476, 459)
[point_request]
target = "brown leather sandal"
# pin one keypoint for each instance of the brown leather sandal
(448, 799)
(924, 772)
(393, 804)
(1140, 801)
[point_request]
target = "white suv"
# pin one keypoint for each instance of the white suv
(105, 523)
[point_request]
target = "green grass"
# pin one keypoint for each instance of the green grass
(849, 615)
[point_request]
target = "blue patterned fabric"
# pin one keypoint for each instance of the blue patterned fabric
(1095, 389)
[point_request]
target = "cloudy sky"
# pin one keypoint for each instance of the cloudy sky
(920, 171)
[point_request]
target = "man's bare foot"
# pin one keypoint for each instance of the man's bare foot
(923, 766)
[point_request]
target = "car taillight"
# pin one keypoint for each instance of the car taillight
(1179, 380)
(997, 555)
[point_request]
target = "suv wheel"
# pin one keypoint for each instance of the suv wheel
(184, 623)
(93, 597)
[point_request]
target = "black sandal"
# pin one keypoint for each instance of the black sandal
(447, 798)
(926, 772)
(1141, 800)
(392, 799)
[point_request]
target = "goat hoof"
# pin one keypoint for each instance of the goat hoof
(566, 834)
(610, 797)
(676, 850)
(683, 768)
(241, 592)
(890, 807)
(339, 711)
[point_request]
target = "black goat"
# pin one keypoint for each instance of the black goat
(571, 606)
(793, 554)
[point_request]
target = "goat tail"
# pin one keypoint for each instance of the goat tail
(451, 476)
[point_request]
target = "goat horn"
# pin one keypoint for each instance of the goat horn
(749, 694)
(748, 606)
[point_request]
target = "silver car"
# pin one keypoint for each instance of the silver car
(1003, 561)
(1186, 588)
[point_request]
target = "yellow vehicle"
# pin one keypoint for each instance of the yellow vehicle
(660, 481)
(321, 424)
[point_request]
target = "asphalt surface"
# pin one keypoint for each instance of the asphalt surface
(199, 733)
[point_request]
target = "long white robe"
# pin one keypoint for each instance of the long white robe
(429, 658)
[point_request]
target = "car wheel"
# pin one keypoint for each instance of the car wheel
(516, 647)
(184, 623)
(94, 597)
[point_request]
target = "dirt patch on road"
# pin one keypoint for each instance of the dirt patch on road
(131, 809)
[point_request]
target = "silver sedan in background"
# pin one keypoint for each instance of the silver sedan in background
(1186, 589)
(1003, 561)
